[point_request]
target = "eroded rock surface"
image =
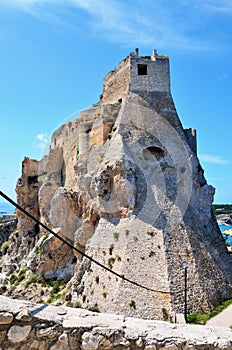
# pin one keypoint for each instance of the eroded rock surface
(123, 184)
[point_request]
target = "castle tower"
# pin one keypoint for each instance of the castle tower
(137, 73)
(124, 185)
(153, 204)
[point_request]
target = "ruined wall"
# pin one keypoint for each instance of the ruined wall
(27, 195)
(66, 138)
(116, 83)
(28, 326)
(96, 125)
(191, 135)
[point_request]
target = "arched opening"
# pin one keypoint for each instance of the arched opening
(152, 152)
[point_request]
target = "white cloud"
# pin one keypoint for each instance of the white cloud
(22, 3)
(42, 137)
(176, 24)
(223, 6)
(219, 6)
(209, 158)
(41, 140)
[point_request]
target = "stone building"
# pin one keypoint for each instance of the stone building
(123, 184)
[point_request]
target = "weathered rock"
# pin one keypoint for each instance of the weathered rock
(62, 343)
(6, 229)
(52, 258)
(16, 334)
(123, 184)
(6, 318)
(23, 315)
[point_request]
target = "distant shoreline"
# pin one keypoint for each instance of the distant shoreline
(6, 208)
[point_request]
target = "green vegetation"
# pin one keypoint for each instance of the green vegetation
(33, 278)
(75, 304)
(45, 237)
(5, 247)
(101, 157)
(38, 250)
(203, 317)
(116, 235)
(104, 294)
(94, 308)
(111, 248)
(111, 262)
(13, 278)
(222, 209)
(16, 279)
(21, 275)
(57, 286)
(132, 304)
(165, 314)
(3, 289)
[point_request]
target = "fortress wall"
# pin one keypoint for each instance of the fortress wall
(191, 136)
(30, 326)
(157, 77)
(116, 82)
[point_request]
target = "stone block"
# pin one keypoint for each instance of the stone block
(179, 318)
(6, 318)
(16, 334)
(23, 315)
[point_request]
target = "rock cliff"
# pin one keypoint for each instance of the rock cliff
(123, 184)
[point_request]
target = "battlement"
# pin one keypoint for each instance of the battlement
(135, 74)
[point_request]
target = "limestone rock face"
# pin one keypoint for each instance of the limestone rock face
(123, 184)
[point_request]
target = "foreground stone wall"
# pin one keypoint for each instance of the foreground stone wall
(29, 326)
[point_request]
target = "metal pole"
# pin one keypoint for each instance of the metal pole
(185, 294)
(185, 267)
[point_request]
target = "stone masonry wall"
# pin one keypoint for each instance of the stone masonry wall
(126, 77)
(157, 78)
(116, 83)
(30, 326)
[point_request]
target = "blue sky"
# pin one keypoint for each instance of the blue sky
(55, 53)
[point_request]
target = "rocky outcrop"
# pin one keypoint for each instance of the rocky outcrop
(6, 228)
(25, 325)
(123, 184)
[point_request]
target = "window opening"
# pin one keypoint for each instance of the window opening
(142, 69)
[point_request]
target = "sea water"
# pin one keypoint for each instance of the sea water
(224, 227)
(227, 238)
(6, 208)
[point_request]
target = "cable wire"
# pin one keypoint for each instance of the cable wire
(79, 251)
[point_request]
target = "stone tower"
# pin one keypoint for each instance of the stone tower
(127, 188)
